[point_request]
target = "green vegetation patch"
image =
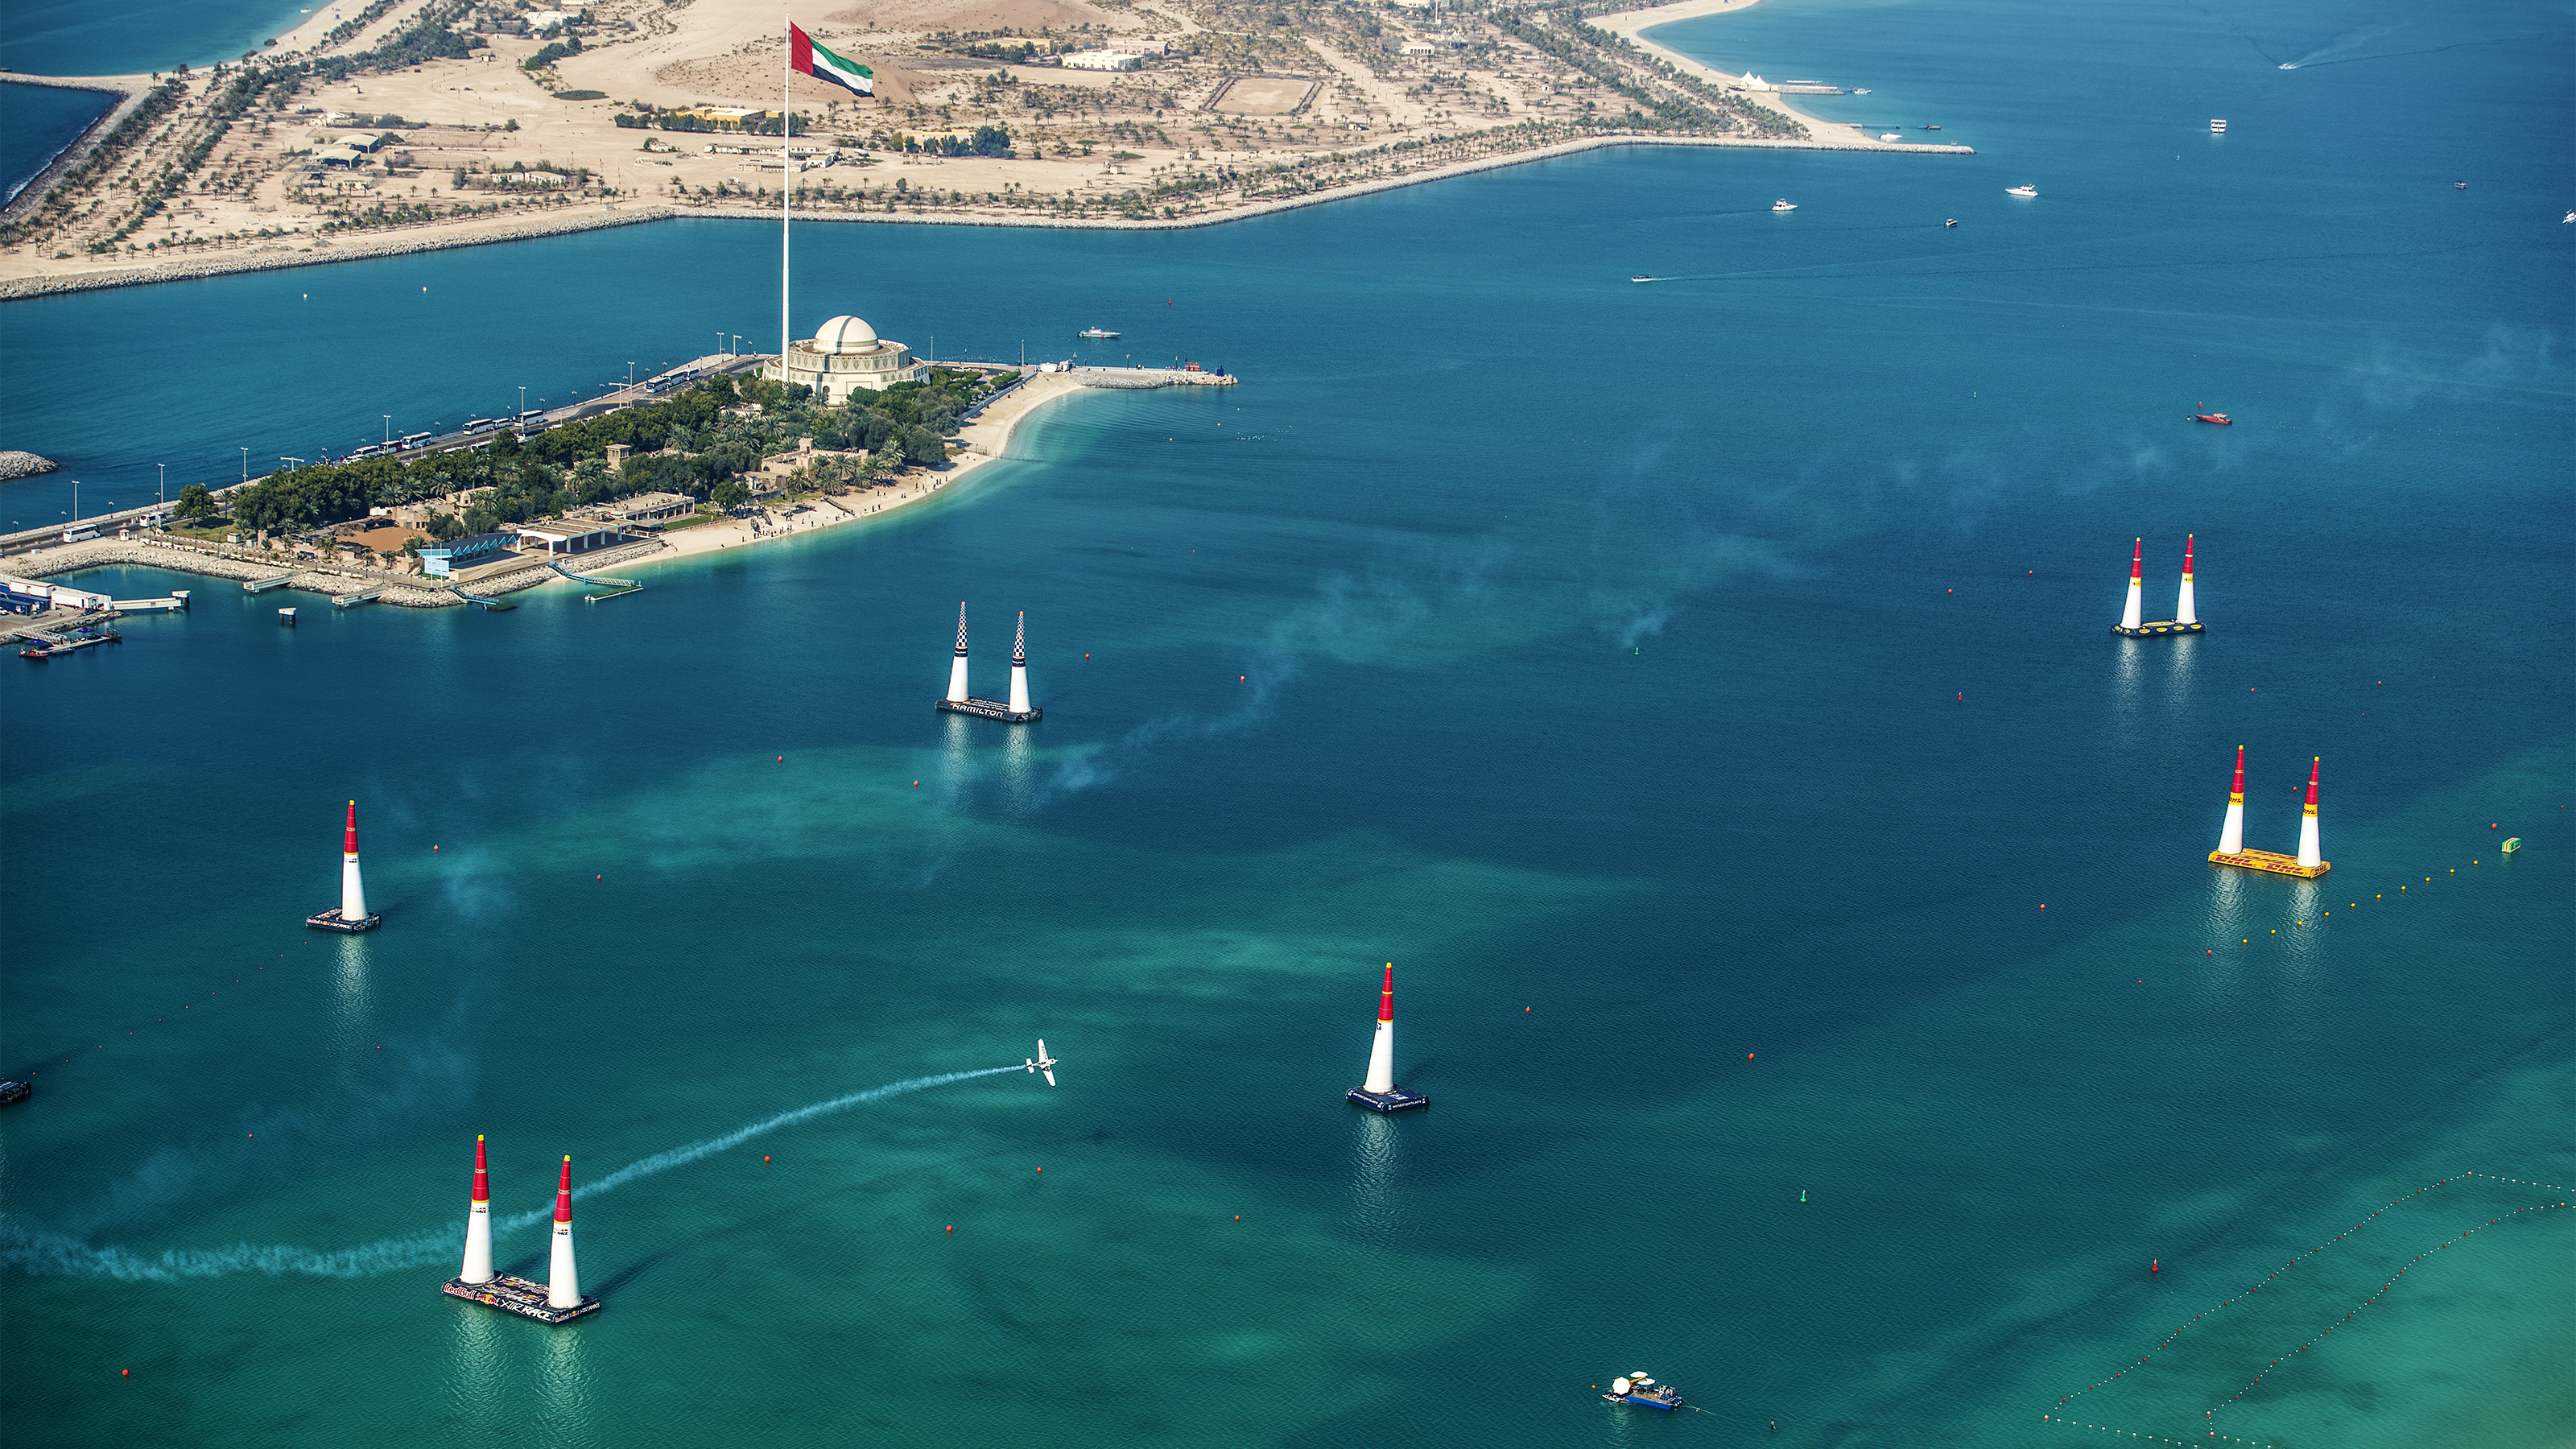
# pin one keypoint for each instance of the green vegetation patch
(581, 95)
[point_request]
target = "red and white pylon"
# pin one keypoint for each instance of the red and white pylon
(1381, 1071)
(2231, 836)
(1020, 666)
(2310, 855)
(2134, 611)
(2183, 612)
(353, 891)
(478, 1223)
(563, 1281)
(957, 667)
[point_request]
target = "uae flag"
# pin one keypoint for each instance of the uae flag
(803, 54)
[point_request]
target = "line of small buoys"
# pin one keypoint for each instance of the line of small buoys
(2169, 1338)
(2320, 1335)
(2350, 905)
(160, 1020)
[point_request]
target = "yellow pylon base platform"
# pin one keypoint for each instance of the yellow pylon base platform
(2276, 864)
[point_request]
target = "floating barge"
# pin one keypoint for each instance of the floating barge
(2273, 862)
(331, 920)
(2159, 626)
(12, 1093)
(992, 709)
(1393, 1099)
(517, 1295)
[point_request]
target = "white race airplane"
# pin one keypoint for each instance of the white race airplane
(1041, 1062)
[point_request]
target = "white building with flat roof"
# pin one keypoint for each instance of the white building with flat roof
(843, 356)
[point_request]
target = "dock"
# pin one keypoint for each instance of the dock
(47, 646)
(992, 709)
(177, 603)
(495, 606)
(330, 920)
(517, 1295)
(615, 586)
(2265, 860)
(2159, 626)
(356, 597)
(261, 586)
(1394, 1099)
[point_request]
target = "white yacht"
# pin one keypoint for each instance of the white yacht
(2021, 191)
(1784, 204)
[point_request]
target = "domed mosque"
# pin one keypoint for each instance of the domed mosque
(845, 355)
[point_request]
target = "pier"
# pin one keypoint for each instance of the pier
(177, 603)
(2154, 627)
(353, 599)
(992, 709)
(261, 586)
(615, 586)
(517, 1295)
(2277, 864)
(495, 606)
(71, 641)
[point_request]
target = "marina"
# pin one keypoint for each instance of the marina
(69, 641)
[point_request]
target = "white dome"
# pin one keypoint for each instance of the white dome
(844, 334)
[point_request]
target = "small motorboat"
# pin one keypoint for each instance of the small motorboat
(1096, 334)
(2021, 191)
(2220, 419)
(1860, 90)
(2459, 186)
(1891, 136)
(1950, 221)
(1641, 279)
(2569, 218)
(1784, 204)
(1643, 1391)
(1927, 128)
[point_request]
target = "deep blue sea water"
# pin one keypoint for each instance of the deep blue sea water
(1591, 644)
(36, 123)
(131, 37)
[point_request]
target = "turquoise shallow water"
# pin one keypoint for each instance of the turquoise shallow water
(1659, 675)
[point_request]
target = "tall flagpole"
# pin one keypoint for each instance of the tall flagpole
(786, 179)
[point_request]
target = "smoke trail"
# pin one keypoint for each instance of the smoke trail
(42, 1252)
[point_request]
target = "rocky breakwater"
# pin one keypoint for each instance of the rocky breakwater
(14, 464)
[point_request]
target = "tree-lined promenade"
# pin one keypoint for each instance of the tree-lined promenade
(699, 443)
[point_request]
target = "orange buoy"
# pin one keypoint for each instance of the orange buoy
(952, 1227)
(764, 1157)
(782, 759)
(1748, 1056)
